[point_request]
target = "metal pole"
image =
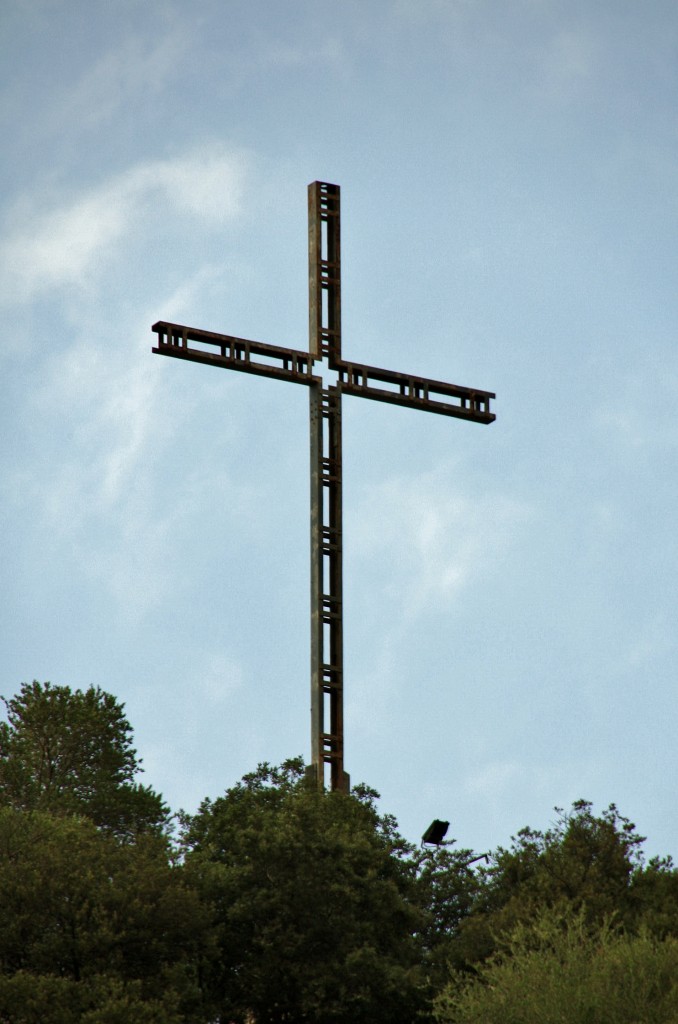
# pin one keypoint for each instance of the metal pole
(327, 640)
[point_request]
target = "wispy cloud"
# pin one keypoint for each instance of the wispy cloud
(646, 643)
(495, 779)
(70, 244)
(99, 423)
(434, 538)
(135, 67)
(571, 57)
(106, 80)
(369, 698)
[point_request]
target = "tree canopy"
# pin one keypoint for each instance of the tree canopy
(314, 899)
(91, 928)
(559, 969)
(71, 752)
(280, 903)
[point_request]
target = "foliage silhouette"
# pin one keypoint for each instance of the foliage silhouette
(71, 752)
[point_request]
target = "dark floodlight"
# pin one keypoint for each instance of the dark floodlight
(436, 832)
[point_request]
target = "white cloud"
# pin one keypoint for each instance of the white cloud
(426, 10)
(624, 426)
(108, 399)
(115, 72)
(572, 56)
(434, 538)
(98, 493)
(69, 245)
(134, 68)
(217, 679)
(496, 779)
(208, 183)
(369, 699)
(645, 644)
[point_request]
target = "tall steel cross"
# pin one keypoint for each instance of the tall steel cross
(297, 366)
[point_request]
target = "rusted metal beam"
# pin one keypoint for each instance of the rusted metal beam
(324, 270)
(316, 432)
(415, 392)
(234, 353)
(327, 629)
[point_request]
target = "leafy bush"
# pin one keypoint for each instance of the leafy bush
(561, 970)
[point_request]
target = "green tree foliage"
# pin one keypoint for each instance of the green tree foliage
(286, 904)
(314, 898)
(27, 998)
(560, 969)
(447, 891)
(71, 752)
(653, 898)
(583, 860)
(92, 929)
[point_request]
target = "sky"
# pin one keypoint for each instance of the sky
(509, 186)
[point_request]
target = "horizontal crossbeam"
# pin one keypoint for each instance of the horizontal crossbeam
(234, 353)
(414, 392)
(296, 365)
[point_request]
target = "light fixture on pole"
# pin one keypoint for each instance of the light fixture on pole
(436, 832)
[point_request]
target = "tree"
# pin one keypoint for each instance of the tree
(583, 860)
(94, 930)
(447, 891)
(314, 897)
(71, 752)
(561, 969)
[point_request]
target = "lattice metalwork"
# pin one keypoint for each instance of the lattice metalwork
(349, 378)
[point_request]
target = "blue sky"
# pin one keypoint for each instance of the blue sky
(509, 177)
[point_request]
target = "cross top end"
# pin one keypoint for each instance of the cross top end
(295, 365)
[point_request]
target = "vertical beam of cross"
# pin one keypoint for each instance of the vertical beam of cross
(359, 379)
(327, 601)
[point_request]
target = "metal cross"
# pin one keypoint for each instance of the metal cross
(297, 366)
